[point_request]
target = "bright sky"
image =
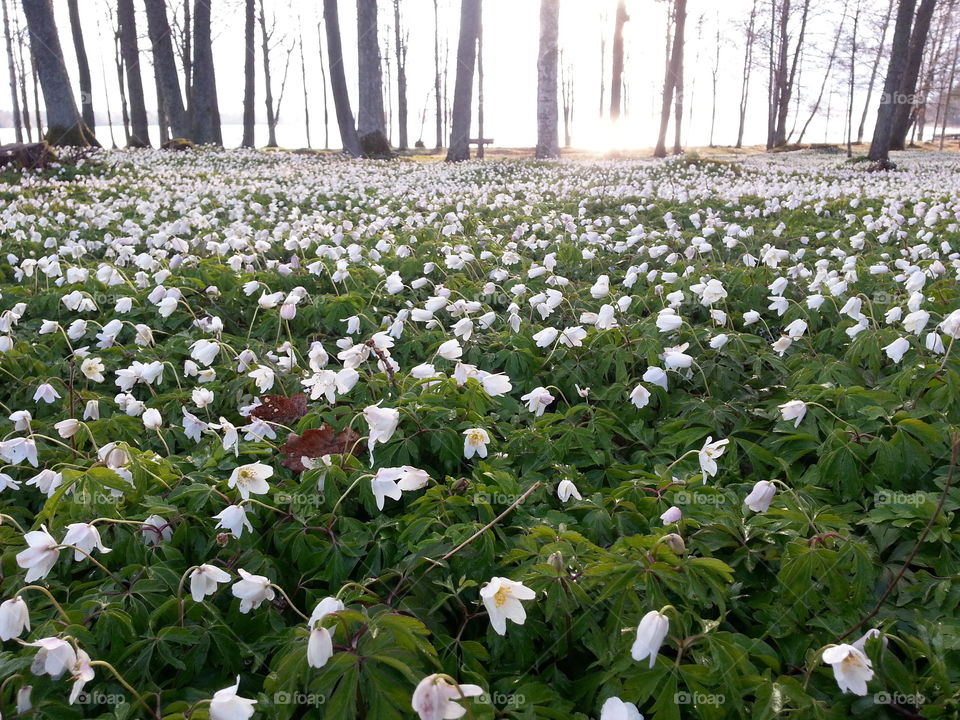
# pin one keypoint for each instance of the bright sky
(511, 32)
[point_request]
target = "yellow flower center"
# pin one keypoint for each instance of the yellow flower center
(475, 437)
(500, 598)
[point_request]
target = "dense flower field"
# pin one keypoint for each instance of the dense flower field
(297, 437)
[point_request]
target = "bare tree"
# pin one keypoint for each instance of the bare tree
(204, 109)
(672, 75)
(934, 65)
(64, 124)
(249, 74)
(338, 81)
(400, 47)
(306, 99)
(436, 81)
(831, 59)
(548, 145)
(470, 20)
(945, 98)
(17, 123)
(885, 25)
(783, 68)
(750, 38)
(603, 60)
(165, 67)
(906, 100)
(139, 133)
(266, 35)
(566, 91)
(83, 66)
(370, 118)
(899, 50)
(616, 81)
(679, 24)
(103, 75)
(714, 70)
(852, 84)
(323, 77)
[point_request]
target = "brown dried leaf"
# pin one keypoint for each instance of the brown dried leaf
(281, 409)
(316, 443)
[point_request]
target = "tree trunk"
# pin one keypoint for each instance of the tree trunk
(899, 50)
(186, 57)
(401, 53)
(163, 121)
(204, 111)
(17, 124)
(122, 82)
(851, 87)
(64, 124)
(249, 74)
(480, 146)
(21, 72)
(873, 71)
(747, 69)
(323, 76)
(566, 89)
(714, 70)
(548, 144)
(616, 81)
(436, 81)
(787, 83)
(139, 133)
(267, 79)
(103, 76)
(463, 90)
(370, 119)
(83, 66)
(306, 99)
(678, 41)
(669, 85)
(945, 99)
(905, 102)
(165, 67)
(338, 82)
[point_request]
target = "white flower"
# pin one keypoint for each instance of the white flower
(84, 536)
(233, 518)
(951, 325)
(761, 496)
(202, 397)
(566, 489)
(204, 580)
(250, 478)
(40, 556)
(616, 709)
(896, 350)
(708, 456)
(537, 400)
(92, 369)
(573, 336)
(712, 292)
(475, 442)
(251, 590)
(795, 329)
(671, 515)
(54, 656)
(916, 321)
(793, 410)
(390, 482)
(16, 449)
(502, 596)
(750, 317)
(435, 698)
(227, 705)
(651, 631)
(450, 350)
(204, 352)
(668, 320)
(82, 672)
(14, 618)
(656, 376)
(496, 384)
(156, 530)
(263, 377)
(718, 341)
(546, 336)
(320, 644)
(674, 358)
(21, 420)
(152, 420)
(383, 423)
(45, 393)
(851, 668)
(640, 396)
(68, 428)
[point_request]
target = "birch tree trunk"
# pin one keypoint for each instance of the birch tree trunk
(249, 74)
(616, 81)
(83, 66)
(205, 113)
(17, 124)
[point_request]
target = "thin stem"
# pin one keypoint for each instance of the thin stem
(50, 597)
(122, 681)
(289, 601)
